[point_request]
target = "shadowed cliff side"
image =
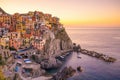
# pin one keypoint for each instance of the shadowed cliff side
(65, 41)
(61, 42)
(55, 46)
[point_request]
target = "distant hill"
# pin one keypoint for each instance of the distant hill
(2, 11)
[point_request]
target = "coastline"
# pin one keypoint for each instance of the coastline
(44, 46)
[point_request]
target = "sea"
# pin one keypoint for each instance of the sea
(102, 40)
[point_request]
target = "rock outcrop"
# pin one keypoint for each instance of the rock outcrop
(33, 69)
(65, 41)
(51, 63)
(79, 69)
(55, 44)
(67, 72)
(52, 47)
(98, 55)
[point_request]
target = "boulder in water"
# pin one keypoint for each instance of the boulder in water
(79, 69)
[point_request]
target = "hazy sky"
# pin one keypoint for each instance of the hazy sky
(101, 13)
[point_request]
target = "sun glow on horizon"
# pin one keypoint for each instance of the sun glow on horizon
(71, 12)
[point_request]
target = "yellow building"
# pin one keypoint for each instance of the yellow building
(31, 13)
(5, 18)
(1, 19)
(4, 41)
(21, 24)
(47, 23)
(55, 20)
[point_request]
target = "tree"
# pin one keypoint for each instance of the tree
(12, 48)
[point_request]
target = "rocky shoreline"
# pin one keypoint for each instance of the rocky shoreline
(95, 54)
(67, 72)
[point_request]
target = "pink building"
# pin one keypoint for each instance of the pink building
(38, 44)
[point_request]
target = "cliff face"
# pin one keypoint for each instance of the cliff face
(65, 41)
(56, 43)
(60, 42)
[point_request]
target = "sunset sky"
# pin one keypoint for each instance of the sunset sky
(77, 13)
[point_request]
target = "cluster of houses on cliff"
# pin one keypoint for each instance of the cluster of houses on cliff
(20, 31)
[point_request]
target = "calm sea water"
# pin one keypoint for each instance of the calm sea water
(107, 41)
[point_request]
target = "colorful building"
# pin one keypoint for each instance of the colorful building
(4, 41)
(38, 44)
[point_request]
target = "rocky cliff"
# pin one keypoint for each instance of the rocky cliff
(60, 42)
(57, 42)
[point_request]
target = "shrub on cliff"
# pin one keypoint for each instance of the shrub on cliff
(12, 48)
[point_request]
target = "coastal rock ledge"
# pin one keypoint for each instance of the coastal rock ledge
(67, 72)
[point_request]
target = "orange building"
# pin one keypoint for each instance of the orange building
(15, 43)
(15, 40)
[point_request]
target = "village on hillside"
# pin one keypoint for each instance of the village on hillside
(24, 30)
(22, 35)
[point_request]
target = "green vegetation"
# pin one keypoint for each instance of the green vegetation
(63, 30)
(33, 57)
(53, 24)
(12, 48)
